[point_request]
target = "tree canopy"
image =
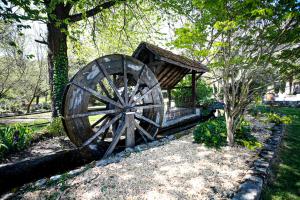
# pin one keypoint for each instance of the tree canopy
(240, 41)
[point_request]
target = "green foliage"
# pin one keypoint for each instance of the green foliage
(60, 77)
(213, 134)
(55, 128)
(14, 138)
(277, 119)
(182, 94)
(244, 138)
(240, 41)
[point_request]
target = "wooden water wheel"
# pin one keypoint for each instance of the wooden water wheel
(113, 101)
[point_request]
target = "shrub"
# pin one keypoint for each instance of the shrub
(55, 128)
(277, 119)
(212, 133)
(14, 138)
(244, 138)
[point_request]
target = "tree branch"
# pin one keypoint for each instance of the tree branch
(41, 42)
(94, 11)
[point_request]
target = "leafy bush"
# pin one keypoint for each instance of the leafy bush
(213, 133)
(244, 138)
(55, 128)
(277, 119)
(14, 138)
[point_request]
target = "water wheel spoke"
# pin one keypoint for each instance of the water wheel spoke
(146, 119)
(144, 95)
(99, 121)
(92, 113)
(116, 138)
(101, 130)
(112, 85)
(103, 135)
(148, 106)
(143, 131)
(97, 95)
(125, 79)
(136, 86)
(103, 88)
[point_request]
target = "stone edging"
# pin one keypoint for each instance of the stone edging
(256, 177)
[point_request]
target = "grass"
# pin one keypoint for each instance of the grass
(36, 125)
(94, 118)
(285, 184)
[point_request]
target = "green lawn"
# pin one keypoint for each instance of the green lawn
(286, 181)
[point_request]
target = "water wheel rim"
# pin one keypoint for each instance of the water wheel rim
(125, 106)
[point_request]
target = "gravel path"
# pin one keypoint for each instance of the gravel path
(26, 118)
(178, 170)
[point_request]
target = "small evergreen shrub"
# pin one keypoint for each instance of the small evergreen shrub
(56, 128)
(14, 138)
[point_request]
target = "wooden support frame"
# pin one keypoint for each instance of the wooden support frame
(194, 89)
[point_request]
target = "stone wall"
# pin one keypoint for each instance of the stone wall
(294, 104)
(257, 176)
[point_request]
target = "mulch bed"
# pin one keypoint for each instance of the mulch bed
(180, 169)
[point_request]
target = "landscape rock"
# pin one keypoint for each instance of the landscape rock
(55, 178)
(248, 191)
(40, 182)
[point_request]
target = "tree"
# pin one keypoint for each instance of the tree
(239, 41)
(119, 30)
(13, 60)
(58, 15)
(34, 82)
(288, 63)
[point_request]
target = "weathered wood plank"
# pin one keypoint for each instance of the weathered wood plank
(143, 131)
(92, 113)
(116, 138)
(111, 83)
(97, 95)
(101, 130)
(146, 93)
(130, 137)
(141, 117)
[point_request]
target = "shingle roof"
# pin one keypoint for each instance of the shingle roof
(168, 56)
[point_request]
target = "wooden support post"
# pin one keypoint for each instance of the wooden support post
(193, 88)
(169, 98)
(130, 140)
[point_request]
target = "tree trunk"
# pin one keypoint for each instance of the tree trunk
(37, 100)
(230, 129)
(57, 57)
(291, 85)
(194, 89)
(29, 105)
